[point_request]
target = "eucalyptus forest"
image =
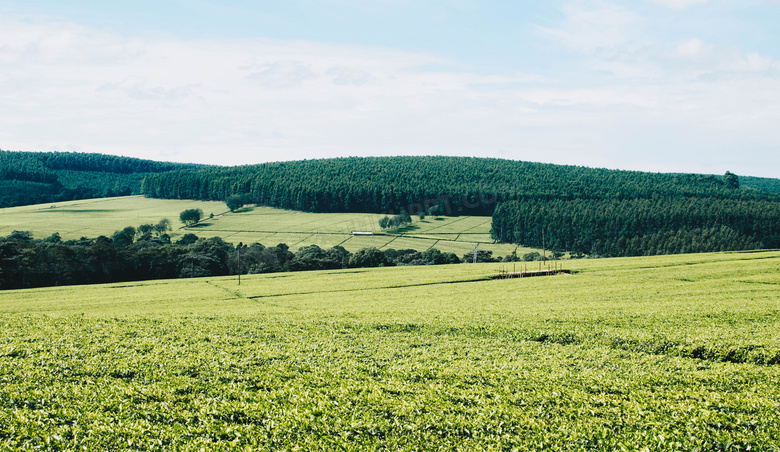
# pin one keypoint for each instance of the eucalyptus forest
(46, 177)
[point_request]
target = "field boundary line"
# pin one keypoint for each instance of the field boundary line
(304, 239)
(391, 241)
(184, 228)
(476, 279)
(476, 226)
(237, 294)
(345, 240)
(708, 262)
(448, 224)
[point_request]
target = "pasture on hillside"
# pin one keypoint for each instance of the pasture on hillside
(100, 216)
(93, 217)
(658, 353)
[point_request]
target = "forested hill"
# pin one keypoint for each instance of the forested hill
(567, 208)
(764, 184)
(42, 177)
(455, 184)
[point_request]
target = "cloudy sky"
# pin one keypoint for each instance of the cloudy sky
(653, 85)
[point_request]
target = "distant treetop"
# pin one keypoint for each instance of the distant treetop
(445, 185)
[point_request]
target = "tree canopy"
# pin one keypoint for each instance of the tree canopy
(131, 255)
(432, 185)
(191, 217)
(45, 177)
(235, 202)
(640, 226)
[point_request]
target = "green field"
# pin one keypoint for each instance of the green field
(101, 216)
(660, 353)
(266, 225)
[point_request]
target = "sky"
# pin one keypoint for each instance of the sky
(649, 85)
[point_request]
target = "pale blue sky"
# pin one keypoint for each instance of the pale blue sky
(655, 85)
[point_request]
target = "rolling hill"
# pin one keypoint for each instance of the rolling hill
(589, 211)
(45, 177)
(585, 211)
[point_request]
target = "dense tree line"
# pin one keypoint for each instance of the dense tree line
(449, 185)
(45, 177)
(620, 227)
(396, 221)
(44, 162)
(764, 184)
(146, 252)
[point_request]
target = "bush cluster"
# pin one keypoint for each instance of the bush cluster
(147, 252)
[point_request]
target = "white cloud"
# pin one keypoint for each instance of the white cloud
(590, 26)
(243, 101)
(283, 74)
(689, 48)
(67, 87)
(679, 4)
(687, 102)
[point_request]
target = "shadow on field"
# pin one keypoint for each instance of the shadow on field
(405, 229)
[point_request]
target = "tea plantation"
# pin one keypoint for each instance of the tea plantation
(660, 353)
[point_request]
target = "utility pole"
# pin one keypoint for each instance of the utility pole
(475, 252)
(238, 258)
(544, 251)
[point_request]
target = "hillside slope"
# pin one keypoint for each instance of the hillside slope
(454, 184)
(764, 184)
(585, 210)
(44, 177)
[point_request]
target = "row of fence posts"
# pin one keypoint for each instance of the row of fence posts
(503, 271)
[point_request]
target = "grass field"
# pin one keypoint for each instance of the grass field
(94, 217)
(266, 225)
(659, 353)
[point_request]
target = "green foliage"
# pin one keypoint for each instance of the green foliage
(731, 180)
(657, 353)
(188, 239)
(235, 202)
(368, 257)
(762, 184)
(133, 254)
(162, 226)
(401, 219)
(191, 217)
(482, 256)
(435, 185)
(533, 256)
(397, 221)
(433, 256)
(124, 238)
(642, 226)
(46, 177)
(313, 257)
